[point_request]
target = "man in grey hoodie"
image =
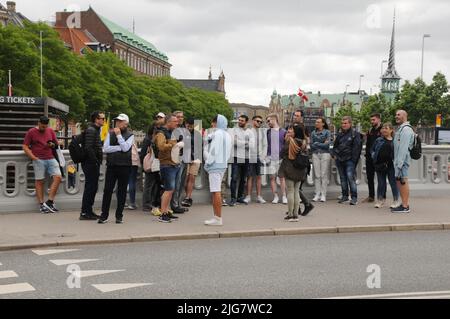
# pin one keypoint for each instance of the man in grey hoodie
(217, 152)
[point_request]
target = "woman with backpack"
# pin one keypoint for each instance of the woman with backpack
(383, 158)
(293, 148)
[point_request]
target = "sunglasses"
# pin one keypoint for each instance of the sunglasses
(259, 122)
(101, 118)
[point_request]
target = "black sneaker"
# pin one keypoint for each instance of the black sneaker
(232, 203)
(343, 200)
(102, 221)
(187, 202)
(88, 217)
(401, 210)
(164, 219)
(308, 209)
(51, 207)
(288, 218)
(119, 221)
(180, 210)
(43, 209)
(172, 216)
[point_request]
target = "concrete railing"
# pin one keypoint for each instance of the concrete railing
(17, 180)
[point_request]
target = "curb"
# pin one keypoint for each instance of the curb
(236, 234)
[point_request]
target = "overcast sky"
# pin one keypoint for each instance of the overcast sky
(287, 44)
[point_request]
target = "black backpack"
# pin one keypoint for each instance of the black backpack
(416, 151)
(302, 161)
(76, 148)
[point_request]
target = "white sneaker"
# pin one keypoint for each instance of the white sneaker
(316, 198)
(323, 199)
(285, 200)
(261, 200)
(248, 200)
(216, 221)
(395, 204)
(380, 204)
(276, 200)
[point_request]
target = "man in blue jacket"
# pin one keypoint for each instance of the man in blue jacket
(347, 151)
(217, 152)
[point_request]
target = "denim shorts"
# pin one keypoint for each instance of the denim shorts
(169, 176)
(403, 172)
(51, 167)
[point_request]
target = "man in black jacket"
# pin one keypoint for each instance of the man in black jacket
(373, 134)
(91, 165)
(346, 151)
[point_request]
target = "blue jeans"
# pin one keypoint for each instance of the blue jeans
(382, 185)
(347, 173)
(169, 177)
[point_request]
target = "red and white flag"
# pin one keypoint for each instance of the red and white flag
(303, 95)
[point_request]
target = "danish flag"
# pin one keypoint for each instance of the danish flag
(303, 95)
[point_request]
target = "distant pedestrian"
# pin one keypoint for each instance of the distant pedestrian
(39, 145)
(293, 175)
(217, 153)
(167, 145)
(258, 155)
(403, 143)
(91, 165)
(193, 157)
(373, 134)
(117, 147)
(347, 150)
(275, 145)
(382, 154)
(320, 148)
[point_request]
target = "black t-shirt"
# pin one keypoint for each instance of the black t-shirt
(386, 154)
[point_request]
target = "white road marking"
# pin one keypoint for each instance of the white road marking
(16, 288)
(52, 251)
(115, 287)
(90, 273)
(8, 274)
(64, 262)
(399, 295)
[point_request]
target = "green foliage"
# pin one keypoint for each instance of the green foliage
(96, 81)
(376, 104)
(346, 110)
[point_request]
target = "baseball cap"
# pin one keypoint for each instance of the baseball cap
(123, 117)
(44, 120)
(161, 114)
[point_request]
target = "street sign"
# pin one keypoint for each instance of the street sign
(439, 120)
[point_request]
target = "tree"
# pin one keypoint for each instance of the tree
(346, 110)
(376, 104)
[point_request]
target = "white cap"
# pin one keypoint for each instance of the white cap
(161, 114)
(123, 117)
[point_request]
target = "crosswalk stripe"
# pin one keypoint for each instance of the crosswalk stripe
(53, 251)
(398, 295)
(8, 274)
(91, 273)
(15, 288)
(64, 262)
(114, 287)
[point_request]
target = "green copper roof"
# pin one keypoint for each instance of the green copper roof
(133, 40)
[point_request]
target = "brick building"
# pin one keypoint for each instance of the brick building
(105, 35)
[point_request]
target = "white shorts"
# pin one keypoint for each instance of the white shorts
(215, 182)
(273, 168)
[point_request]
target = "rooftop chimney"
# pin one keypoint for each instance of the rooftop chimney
(11, 6)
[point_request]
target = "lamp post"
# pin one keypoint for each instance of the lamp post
(423, 52)
(360, 79)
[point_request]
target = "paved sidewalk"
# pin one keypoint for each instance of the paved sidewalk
(29, 230)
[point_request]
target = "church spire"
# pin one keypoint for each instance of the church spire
(390, 81)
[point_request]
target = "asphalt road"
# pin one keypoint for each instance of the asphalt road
(312, 266)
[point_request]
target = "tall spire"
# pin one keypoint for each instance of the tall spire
(391, 72)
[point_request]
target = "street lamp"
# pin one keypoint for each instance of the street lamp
(382, 63)
(423, 51)
(360, 79)
(345, 95)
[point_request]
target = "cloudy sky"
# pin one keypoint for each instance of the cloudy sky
(263, 45)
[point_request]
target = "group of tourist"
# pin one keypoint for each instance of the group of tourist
(173, 152)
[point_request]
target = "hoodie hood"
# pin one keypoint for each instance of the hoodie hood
(222, 122)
